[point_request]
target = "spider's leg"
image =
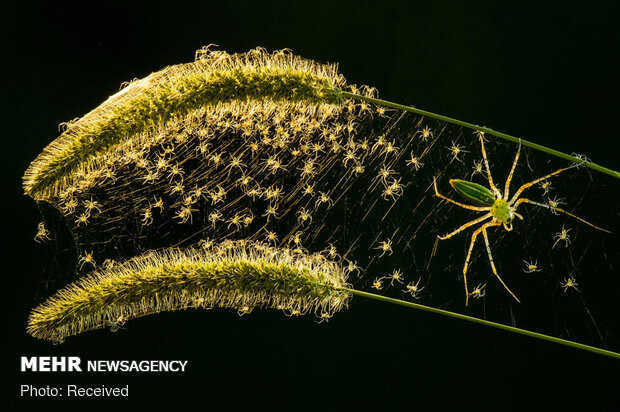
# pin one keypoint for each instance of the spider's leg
(464, 206)
(524, 200)
(533, 182)
(486, 163)
(471, 247)
(465, 226)
(512, 170)
(557, 239)
(486, 241)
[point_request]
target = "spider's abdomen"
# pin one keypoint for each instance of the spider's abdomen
(501, 211)
(473, 192)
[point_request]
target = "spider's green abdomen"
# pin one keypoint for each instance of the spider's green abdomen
(473, 192)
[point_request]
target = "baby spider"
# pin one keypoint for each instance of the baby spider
(214, 217)
(244, 181)
(554, 203)
(91, 205)
(425, 133)
(82, 219)
(274, 192)
(158, 204)
(309, 190)
(414, 289)
(324, 317)
(235, 162)
(150, 177)
(216, 159)
(42, 233)
(385, 247)
(569, 282)
(235, 221)
(217, 196)
(414, 162)
(379, 143)
(500, 207)
(390, 149)
(352, 267)
(198, 192)
(531, 267)
(358, 168)
(477, 168)
(563, 235)
(350, 156)
(393, 190)
(478, 292)
(253, 192)
(116, 325)
(384, 173)
(308, 169)
(396, 275)
(147, 216)
(303, 216)
(185, 214)
(324, 198)
(456, 151)
(377, 284)
(296, 239)
(545, 186)
(175, 171)
(248, 219)
(271, 237)
(271, 211)
(87, 258)
(331, 252)
(177, 188)
(69, 206)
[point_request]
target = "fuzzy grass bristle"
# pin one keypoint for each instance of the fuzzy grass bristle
(215, 77)
(239, 275)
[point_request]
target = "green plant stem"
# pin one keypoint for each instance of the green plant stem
(505, 136)
(535, 335)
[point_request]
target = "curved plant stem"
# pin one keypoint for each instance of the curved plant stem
(485, 322)
(505, 136)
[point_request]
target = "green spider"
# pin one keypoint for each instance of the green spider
(500, 208)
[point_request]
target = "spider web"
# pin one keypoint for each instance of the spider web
(310, 195)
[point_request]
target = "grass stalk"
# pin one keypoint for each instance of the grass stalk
(459, 316)
(486, 130)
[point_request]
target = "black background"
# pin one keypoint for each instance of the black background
(527, 68)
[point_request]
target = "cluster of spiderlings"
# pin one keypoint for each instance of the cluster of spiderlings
(237, 275)
(306, 173)
(215, 77)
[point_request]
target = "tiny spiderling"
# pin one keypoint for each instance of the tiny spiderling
(396, 275)
(42, 233)
(377, 284)
(456, 150)
(414, 288)
(531, 266)
(414, 162)
(569, 282)
(478, 292)
(425, 133)
(385, 247)
(87, 258)
(562, 235)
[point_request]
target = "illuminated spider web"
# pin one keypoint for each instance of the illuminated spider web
(360, 181)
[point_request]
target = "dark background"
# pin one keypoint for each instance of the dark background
(526, 68)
